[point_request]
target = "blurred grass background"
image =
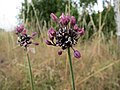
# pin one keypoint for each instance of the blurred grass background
(97, 69)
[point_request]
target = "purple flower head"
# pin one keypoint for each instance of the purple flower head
(24, 39)
(54, 17)
(72, 21)
(77, 54)
(65, 36)
(59, 52)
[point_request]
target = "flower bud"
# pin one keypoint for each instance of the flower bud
(64, 20)
(51, 32)
(77, 54)
(62, 16)
(59, 52)
(54, 17)
(36, 44)
(19, 29)
(81, 31)
(24, 31)
(51, 37)
(21, 26)
(34, 33)
(48, 42)
(75, 27)
(73, 21)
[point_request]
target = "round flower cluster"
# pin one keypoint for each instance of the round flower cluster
(24, 39)
(66, 35)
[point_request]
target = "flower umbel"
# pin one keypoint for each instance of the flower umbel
(24, 39)
(65, 36)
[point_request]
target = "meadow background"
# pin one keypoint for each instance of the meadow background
(99, 65)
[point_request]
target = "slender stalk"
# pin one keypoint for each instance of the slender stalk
(30, 72)
(71, 70)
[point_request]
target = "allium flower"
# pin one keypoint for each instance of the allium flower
(24, 39)
(65, 36)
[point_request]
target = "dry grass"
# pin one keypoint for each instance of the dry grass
(97, 69)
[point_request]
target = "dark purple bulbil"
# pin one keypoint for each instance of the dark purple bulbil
(65, 36)
(24, 39)
(59, 52)
(77, 54)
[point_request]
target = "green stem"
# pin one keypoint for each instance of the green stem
(71, 70)
(30, 72)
